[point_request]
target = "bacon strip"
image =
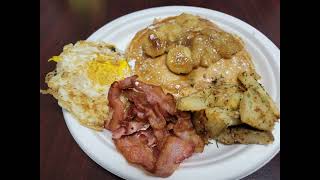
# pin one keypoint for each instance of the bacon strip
(146, 110)
(116, 104)
(156, 96)
(184, 130)
(136, 149)
(151, 132)
(129, 128)
(173, 153)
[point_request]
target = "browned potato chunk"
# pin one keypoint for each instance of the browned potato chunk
(226, 44)
(199, 119)
(241, 135)
(218, 120)
(154, 45)
(194, 102)
(225, 96)
(179, 60)
(257, 109)
(215, 123)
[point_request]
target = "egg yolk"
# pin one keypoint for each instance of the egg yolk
(55, 58)
(105, 72)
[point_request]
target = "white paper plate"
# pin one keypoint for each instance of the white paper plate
(225, 162)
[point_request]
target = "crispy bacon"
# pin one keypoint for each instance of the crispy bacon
(129, 128)
(184, 130)
(146, 110)
(156, 96)
(151, 132)
(136, 149)
(161, 135)
(116, 104)
(173, 153)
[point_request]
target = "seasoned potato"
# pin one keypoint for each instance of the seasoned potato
(155, 44)
(228, 101)
(255, 112)
(179, 60)
(225, 96)
(218, 120)
(226, 44)
(191, 103)
(198, 120)
(233, 118)
(194, 102)
(215, 123)
(241, 135)
(249, 81)
(257, 108)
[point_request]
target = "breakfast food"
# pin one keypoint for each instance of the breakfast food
(190, 82)
(221, 110)
(149, 130)
(82, 78)
(210, 73)
(185, 54)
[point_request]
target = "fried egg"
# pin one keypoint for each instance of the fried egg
(81, 80)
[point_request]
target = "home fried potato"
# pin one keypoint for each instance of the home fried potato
(226, 96)
(219, 119)
(194, 102)
(249, 81)
(199, 119)
(241, 135)
(256, 107)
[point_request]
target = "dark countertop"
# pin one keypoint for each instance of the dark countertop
(63, 22)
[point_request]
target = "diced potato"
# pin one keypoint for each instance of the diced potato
(228, 101)
(241, 135)
(249, 81)
(219, 119)
(193, 102)
(215, 123)
(232, 118)
(198, 120)
(257, 109)
(225, 96)
(255, 112)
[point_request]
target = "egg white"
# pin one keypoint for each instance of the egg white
(70, 84)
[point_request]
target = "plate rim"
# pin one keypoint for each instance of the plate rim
(269, 44)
